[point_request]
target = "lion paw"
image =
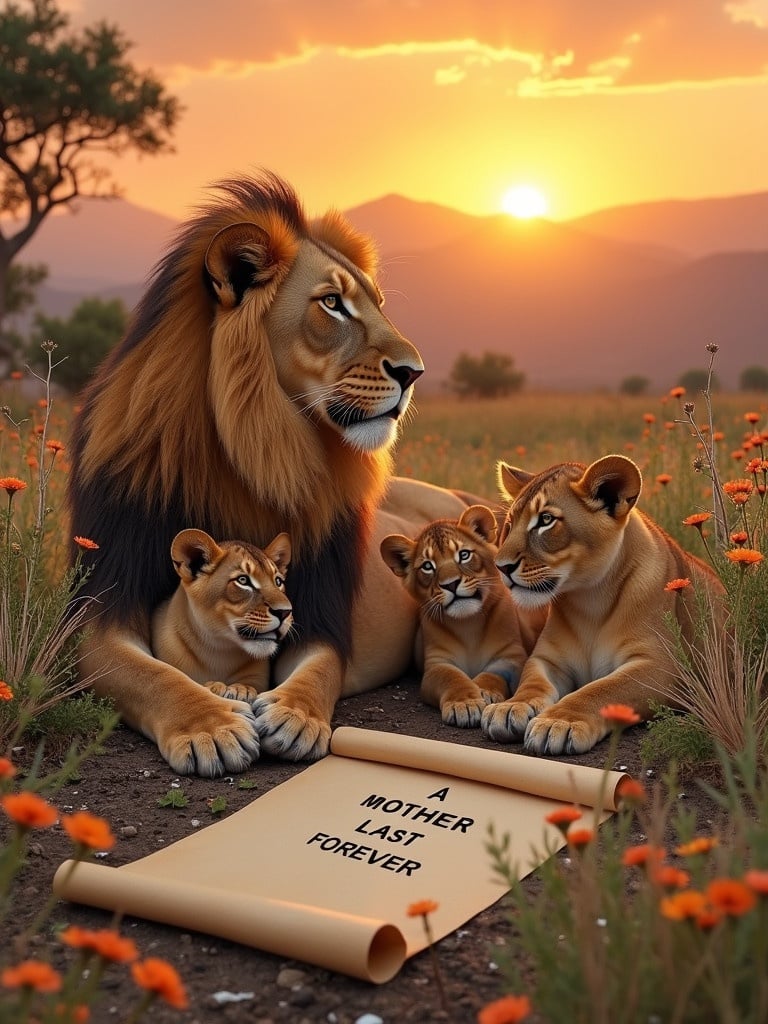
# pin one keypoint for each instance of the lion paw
(507, 721)
(290, 732)
(553, 733)
(221, 738)
(234, 691)
(463, 713)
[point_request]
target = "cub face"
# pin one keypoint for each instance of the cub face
(449, 568)
(564, 527)
(235, 592)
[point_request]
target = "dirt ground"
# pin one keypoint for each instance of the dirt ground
(124, 784)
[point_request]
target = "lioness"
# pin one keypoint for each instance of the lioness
(468, 647)
(574, 540)
(228, 614)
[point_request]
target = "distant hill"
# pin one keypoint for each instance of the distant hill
(578, 304)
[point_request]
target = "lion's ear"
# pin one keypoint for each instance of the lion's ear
(191, 550)
(279, 551)
(615, 482)
(480, 520)
(511, 480)
(397, 552)
(240, 256)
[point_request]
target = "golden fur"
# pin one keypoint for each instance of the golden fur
(227, 615)
(258, 390)
(468, 647)
(574, 539)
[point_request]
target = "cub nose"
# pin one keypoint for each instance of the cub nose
(404, 375)
(451, 586)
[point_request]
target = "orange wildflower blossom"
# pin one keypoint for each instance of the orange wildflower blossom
(740, 537)
(663, 479)
(738, 490)
(87, 830)
(755, 466)
(16, 375)
(578, 838)
(158, 977)
(669, 877)
(6, 693)
(32, 974)
(708, 919)
(752, 417)
(677, 392)
(619, 715)
(644, 853)
(29, 810)
(86, 543)
(563, 817)
(757, 881)
(648, 417)
(422, 908)
(697, 519)
(106, 943)
(678, 584)
(744, 556)
(507, 1010)
(632, 791)
(54, 446)
(701, 844)
(685, 905)
(730, 896)
(7, 768)
(11, 484)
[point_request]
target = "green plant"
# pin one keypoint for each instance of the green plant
(173, 798)
(672, 737)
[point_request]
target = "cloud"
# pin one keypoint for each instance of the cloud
(590, 45)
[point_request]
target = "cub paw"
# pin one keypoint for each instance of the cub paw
(218, 739)
(234, 691)
(290, 732)
(507, 721)
(465, 714)
(556, 732)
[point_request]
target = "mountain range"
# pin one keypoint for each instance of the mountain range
(578, 304)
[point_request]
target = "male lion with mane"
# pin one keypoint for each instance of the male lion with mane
(258, 389)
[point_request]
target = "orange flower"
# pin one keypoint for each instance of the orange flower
(54, 446)
(755, 466)
(7, 769)
(679, 584)
(663, 479)
(32, 974)
(752, 417)
(758, 881)
(562, 817)
(29, 810)
(422, 908)
(580, 837)
(677, 392)
(86, 544)
(11, 484)
(697, 519)
(736, 488)
(737, 455)
(670, 877)
(740, 537)
(86, 829)
(649, 417)
(730, 896)
(701, 844)
(507, 1010)
(632, 791)
(744, 556)
(644, 853)
(160, 977)
(105, 942)
(683, 905)
(618, 715)
(6, 693)
(708, 918)
(16, 375)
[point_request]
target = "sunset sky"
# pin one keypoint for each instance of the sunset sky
(595, 102)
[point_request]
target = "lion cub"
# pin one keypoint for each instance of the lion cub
(574, 540)
(468, 645)
(228, 614)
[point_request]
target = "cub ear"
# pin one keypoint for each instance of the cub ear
(191, 550)
(240, 256)
(480, 520)
(397, 552)
(279, 551)
(511, 480)
(614, 482)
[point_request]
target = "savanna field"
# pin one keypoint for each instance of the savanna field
(657, 918)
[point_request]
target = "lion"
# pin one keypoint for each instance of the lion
(227, 616)
(259, 389)
(469, 646)
(574, 541)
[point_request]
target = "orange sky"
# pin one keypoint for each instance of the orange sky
(597, 102)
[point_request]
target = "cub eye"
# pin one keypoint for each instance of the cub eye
(427, 566)
(244, 581)
(334, 304)
(279, 582)
(545, 519)
(464, 555)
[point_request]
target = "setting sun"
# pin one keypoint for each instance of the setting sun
(525, 202)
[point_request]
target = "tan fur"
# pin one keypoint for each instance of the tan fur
(468, 646)
(217, 410)
(573, 537)
(228, 614)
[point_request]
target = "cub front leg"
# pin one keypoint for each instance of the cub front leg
(461, 700)
(507, 721)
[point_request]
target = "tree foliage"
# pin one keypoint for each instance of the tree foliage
(82, 341)
(695, 381)
(491, 375)
(754, 378)
(65, 97)
(634, 385)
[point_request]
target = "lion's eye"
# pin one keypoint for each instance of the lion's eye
(427, 566)
(464, 555)
(333, 303)
(545, 519)
(244, 581)
(279, 581)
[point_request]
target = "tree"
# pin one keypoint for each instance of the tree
(83, 340)
(754, 378)
(695, 381)
(21, 284)
(634, 385)
(64, 97)
(489, 376)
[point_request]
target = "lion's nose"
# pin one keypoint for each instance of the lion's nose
(508, 569)
(404, 375)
